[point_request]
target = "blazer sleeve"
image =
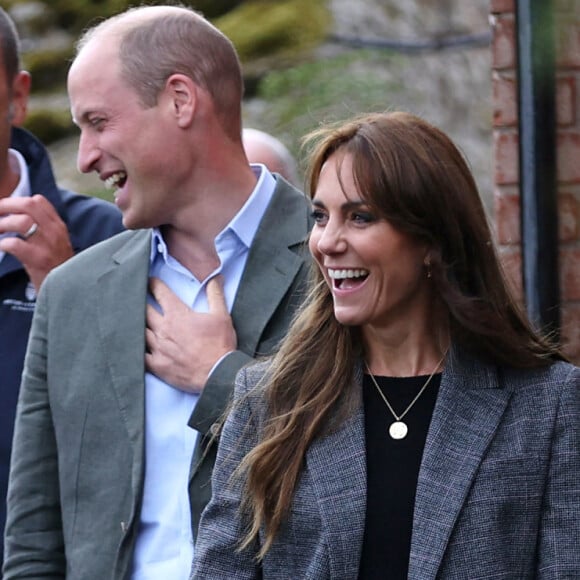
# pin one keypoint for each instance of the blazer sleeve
(222, 526)
(559, 540)
(34, 546)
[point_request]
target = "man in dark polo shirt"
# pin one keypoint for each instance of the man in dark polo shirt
(41, 226)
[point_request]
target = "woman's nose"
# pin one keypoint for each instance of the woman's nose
(332, 240)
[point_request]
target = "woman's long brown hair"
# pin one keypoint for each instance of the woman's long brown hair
(412, 175)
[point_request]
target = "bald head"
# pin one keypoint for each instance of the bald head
(155, 42)
(263, 148)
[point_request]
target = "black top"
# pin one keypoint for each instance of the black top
(392, 472)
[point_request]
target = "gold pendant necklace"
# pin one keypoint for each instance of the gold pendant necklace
(398, 429)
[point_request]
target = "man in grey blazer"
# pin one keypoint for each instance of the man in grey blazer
(135, 343)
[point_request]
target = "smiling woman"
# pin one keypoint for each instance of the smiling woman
(375, 272)
(391, 434)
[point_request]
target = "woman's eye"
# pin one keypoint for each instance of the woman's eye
(363, 217)
(318, 216)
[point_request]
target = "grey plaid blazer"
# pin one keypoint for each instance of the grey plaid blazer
(498, 494)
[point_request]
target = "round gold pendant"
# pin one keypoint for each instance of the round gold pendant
(398, 430)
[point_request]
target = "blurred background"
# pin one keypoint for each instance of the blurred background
(305, 62)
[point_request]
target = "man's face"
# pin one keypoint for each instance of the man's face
(133, 148)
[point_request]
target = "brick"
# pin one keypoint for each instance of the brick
(566, 101)
(499, 6)
(506, 157)
(505, 105)
(567, 40)
(570, 330)
(503, 43)
(507, 218)
(570, 272)
(568, 217)
(511, 260)
(568, 143)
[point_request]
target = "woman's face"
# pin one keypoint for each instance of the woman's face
(376, 274)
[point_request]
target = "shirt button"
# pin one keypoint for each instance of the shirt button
(215, 429)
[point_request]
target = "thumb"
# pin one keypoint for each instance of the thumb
(216, 299)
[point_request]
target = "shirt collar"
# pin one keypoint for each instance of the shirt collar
(18, 165)
(245, 223)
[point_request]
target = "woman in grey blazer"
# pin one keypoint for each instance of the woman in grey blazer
(412, 424)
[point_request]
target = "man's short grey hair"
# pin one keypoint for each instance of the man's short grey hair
(158, 41)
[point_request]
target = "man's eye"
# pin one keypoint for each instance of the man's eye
(96, 122)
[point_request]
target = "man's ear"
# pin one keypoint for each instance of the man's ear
(182, 95)
(20, 93)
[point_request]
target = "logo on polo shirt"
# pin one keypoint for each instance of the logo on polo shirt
(22, 305)
(30, 292)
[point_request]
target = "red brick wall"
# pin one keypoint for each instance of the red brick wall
(505, 137)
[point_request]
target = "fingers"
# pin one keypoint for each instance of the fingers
(216, 299)
(163, 294)
(154, 318)
(40, 238)
(16, 224)
(36, 219)
(20, 213)
(167, 299)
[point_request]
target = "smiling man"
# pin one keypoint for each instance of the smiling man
(135, 345)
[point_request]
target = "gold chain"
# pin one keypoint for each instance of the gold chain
(398, 418)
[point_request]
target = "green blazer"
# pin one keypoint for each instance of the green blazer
(77, 469)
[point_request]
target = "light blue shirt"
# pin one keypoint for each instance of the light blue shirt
(164, 547)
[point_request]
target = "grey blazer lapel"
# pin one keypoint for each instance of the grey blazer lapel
(467, 413)
(337, 465)
(121, 299)
(273, 263)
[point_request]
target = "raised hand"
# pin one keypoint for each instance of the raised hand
(40, 241)
(184, 345)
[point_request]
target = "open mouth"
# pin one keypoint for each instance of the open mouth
(347, 278)
(117, 180)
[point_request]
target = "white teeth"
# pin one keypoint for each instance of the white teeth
(112, 181)
(341, 274)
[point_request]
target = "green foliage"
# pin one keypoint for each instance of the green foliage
(48, 68)
(50, 125)
(100, 193)
(213, 8)
(275, 29)
(75, 15)
(302, 97)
